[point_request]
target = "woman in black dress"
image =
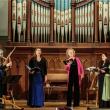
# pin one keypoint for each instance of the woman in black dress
(104, 71)
(75, 71)
(37, 77)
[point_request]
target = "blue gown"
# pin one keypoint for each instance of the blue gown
(37, 96)
(3, 85)
(36, 81)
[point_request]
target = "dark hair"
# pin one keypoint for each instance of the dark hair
(104, 54)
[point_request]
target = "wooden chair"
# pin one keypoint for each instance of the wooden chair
(9, 100)
(93, 88)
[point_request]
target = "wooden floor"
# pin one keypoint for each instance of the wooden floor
(51, 105)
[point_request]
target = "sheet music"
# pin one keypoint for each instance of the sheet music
(29, 68)
(32, 69)
(91, 68)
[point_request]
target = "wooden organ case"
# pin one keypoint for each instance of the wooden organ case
(54, 26)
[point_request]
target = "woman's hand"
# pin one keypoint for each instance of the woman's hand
(45, 78)
(82, 76)
(70, 62)
(102, 71)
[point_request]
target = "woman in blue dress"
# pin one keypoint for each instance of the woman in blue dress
(4, 65)
(37, 77)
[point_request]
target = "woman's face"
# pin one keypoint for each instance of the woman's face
(71, 53)
(104, 57)
(38, 52)
(1, 53)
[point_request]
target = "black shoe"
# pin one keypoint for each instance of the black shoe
(68, 105)
(76, 105)
(68, 108)
(38, 106)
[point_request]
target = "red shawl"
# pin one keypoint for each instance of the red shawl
(80, 69)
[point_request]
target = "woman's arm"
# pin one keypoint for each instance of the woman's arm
(67, 67)
(45, 69)
(9, 64)
(106, 66)
(80, 68)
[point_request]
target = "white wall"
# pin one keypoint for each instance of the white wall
(3, 18)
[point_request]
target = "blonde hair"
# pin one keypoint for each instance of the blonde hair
(68, 51)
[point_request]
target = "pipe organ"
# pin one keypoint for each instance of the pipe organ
(77, 1)
(84, 27)
(62, 21)
(104, 20)
(18, 20)
(40, 21)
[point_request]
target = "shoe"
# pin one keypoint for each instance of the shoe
(38, 106)
(68, 108)
(71, 108)
(59, 108)
(76, 105)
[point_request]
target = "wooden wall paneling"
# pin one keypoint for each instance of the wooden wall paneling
(51, 64)
(14, 66)
(59, 63)
(23, 79)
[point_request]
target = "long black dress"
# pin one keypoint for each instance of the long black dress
(36, 80)
(104, 66)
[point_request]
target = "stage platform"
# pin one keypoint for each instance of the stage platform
(52, 105)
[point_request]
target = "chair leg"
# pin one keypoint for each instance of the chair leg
(12, 98)
(96, 98)
(87, 97)
(4, 102)
(14, 105)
